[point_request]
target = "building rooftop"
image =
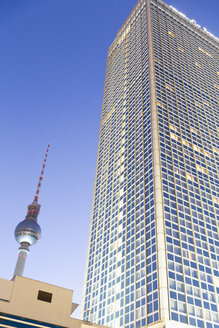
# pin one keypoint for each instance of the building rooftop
(31, 299)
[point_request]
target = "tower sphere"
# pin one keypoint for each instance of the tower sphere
(27, 231)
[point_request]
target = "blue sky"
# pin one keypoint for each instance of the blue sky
(52, 66)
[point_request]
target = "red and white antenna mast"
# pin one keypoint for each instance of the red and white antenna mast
(41, 176)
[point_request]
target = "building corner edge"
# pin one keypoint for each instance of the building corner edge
(158, 193)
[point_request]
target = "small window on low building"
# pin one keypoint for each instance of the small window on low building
(44, 296)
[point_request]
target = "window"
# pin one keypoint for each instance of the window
(44, 296)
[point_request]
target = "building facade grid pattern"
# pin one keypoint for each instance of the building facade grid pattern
(121, 287)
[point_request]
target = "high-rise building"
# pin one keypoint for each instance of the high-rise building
(153, 247)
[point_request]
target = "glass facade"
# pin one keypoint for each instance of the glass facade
(124, 286)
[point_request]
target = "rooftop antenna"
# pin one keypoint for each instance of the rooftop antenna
(28, 231)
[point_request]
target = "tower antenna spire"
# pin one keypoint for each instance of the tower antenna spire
(28, 231)
(41, 176)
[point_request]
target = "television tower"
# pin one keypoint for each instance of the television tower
(28, 231)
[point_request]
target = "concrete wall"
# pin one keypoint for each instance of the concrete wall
(20, 297)
(5, 289)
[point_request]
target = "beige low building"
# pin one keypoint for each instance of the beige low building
(26, 302)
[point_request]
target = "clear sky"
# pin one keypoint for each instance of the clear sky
(52, 67)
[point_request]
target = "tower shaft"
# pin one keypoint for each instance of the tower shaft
(22, 255)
